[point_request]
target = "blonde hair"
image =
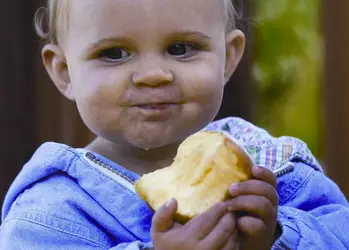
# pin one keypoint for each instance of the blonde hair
(51, 21)
(231, 15)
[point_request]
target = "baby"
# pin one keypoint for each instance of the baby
(146, 74)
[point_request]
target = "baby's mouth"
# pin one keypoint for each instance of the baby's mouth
(155, 106)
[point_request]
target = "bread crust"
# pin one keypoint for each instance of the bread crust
(206, 164)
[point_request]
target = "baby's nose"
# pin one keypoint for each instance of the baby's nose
(152, 77)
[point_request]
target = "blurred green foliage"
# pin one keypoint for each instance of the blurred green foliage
(287, 69)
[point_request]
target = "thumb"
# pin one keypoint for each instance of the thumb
(163, 217)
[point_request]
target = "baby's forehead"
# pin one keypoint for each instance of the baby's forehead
(139, 6)
(145, 14)
(160, 4)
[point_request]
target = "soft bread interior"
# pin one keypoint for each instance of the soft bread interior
(206, 164)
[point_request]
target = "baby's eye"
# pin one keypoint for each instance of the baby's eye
(114, 54)
(182, 50)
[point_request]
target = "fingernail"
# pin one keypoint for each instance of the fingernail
(168, 203)
(258, 170)
(233, 189)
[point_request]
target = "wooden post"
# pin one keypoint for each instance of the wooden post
(17, 85)
(336, 91)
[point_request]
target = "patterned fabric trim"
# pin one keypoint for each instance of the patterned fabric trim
(265, 150)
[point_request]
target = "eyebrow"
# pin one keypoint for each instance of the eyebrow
(108, 40)
(175, 35)
(190, 34)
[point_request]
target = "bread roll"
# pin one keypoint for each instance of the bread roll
(206, 164)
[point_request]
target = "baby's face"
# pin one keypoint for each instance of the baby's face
(146, 72)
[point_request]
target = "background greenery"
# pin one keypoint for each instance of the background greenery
(287, 69)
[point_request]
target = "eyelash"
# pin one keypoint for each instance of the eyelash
(193, 46)
(102, 54)
(194, 49)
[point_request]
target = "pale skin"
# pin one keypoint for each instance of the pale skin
(146, 74)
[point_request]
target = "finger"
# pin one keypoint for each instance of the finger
(264, 174)
(258, 206)
(221, 233)
(255, 187)
(206, 221)
(176, 225)
(233, 242)
(251, 226)
(163, 217)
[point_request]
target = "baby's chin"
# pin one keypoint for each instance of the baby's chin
(149, 142)
(147, 145)
(149, 139)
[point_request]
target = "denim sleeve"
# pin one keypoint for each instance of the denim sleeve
(21, 233)
(313, 213)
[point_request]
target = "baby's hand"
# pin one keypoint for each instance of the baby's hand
(213, 229)
(257, 203)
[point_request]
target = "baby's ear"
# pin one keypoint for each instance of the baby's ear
(235, 47)
(56, 66)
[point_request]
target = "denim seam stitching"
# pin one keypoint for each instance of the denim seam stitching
(304, 181)
(99, 173)
(58, 228)
(78, 158)
(296, 227)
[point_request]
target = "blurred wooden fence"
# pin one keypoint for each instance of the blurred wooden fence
(336, 90)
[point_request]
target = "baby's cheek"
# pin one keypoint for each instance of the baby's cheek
(204, 97)
(96, 106)
(205, 87)
(206, 79)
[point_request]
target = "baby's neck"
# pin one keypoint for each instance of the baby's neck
(135, 159)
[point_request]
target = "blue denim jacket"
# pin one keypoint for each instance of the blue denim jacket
(67, 198)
